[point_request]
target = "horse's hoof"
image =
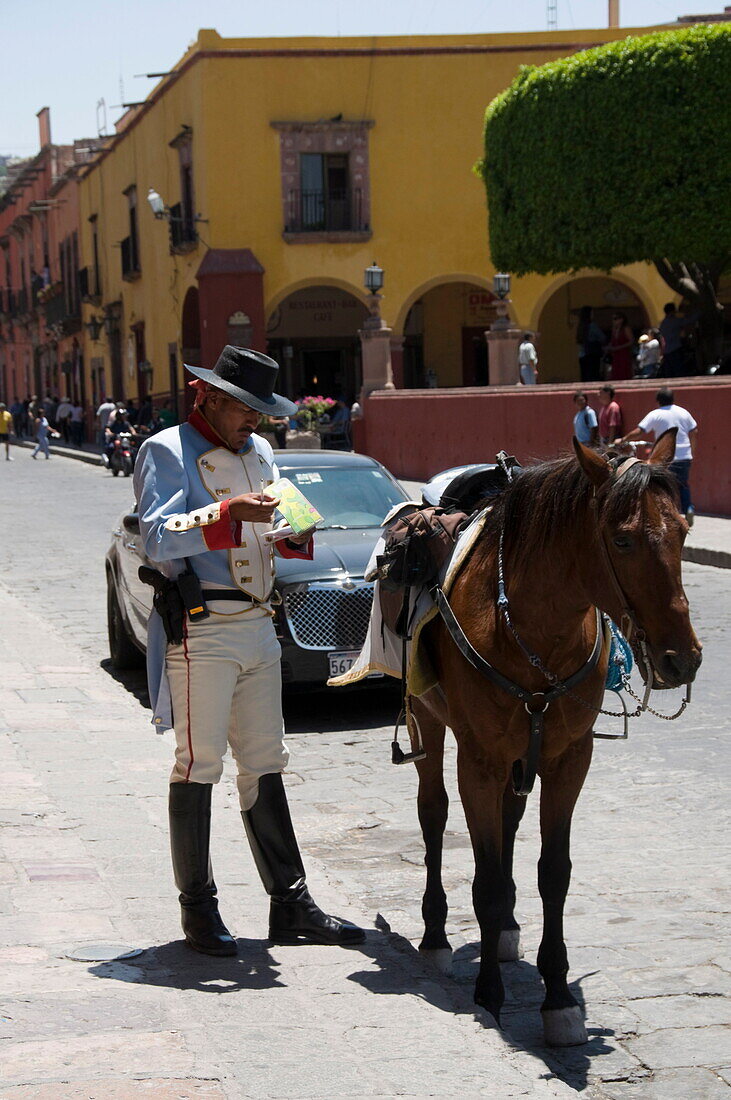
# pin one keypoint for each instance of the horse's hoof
(564, 1027)
(508, 948)
(440, 957)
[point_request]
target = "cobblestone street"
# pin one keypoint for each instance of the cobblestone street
(83, 836)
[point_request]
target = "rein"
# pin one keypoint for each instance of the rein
(536, 702)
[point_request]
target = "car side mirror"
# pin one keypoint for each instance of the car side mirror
(131, 523)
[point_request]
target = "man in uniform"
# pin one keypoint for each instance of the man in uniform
(204, 517)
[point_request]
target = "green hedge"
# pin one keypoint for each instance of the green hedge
(613, 155)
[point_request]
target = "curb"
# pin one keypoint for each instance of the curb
(92, 458)
(719, 559)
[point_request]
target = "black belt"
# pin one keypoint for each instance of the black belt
(226, 594)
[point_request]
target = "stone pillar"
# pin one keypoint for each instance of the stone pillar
(397, 361)
(503, 341)
(375, 342)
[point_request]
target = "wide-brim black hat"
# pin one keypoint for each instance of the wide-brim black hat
(249, 376)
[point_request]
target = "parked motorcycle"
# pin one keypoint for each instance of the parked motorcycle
(122, 458)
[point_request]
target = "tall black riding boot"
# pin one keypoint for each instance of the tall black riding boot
(190, 832)
(293, 915)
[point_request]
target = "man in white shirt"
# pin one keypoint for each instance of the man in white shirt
(669, 415)
(103, 413)
(528, 361)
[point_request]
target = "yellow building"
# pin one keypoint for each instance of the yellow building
(285, 166)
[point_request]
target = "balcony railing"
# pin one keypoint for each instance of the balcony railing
(20, 303)
(183, 236)
(61, 311)
(130, 259)
(89, 285)
(335, 211)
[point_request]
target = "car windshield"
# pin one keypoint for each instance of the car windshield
(347, 496)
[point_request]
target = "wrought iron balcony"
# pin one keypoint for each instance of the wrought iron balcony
(89, 286)
(130, 259)
(334, 211)
(183, 235)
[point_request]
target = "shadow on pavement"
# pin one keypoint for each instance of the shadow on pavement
(333, 710)
(175, 966)
(133, 680)
(521, 1022)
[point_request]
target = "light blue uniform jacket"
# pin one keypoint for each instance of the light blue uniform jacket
(175, 485)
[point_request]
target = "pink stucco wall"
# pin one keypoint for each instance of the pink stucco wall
(417, 433)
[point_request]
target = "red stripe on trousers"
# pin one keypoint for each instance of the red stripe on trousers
(187, 684)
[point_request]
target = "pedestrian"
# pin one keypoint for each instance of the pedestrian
(132, 412)
(619, 348)
(669, 415)
(648, 358)
(42, 430)
(591, 340)
(6, 429)
(280, 427)
(610, 416)
(144, 415)
(205, 526)
(528, 360)
(103, 413)
(76, 424)
(17, 412)
(672, 328)
(585, 425)
(167, 415)
(50, 404)
(63, 418)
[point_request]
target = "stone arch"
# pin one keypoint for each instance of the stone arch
(441, 332)
(634, 285)
(438, 280)
(312, 330)
(301, 284)
(555, 315)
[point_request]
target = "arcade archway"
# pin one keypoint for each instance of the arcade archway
(557, 324)
(444, 337)
(313, 335)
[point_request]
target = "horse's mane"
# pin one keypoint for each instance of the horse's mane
(546, 500)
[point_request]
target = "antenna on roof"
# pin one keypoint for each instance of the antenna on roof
(101, 118)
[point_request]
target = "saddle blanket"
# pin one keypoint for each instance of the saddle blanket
(382, 649)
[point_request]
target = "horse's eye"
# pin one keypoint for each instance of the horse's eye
(622, 542)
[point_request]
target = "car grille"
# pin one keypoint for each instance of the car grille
(326, 616)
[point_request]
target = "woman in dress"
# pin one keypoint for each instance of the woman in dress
(620, 347)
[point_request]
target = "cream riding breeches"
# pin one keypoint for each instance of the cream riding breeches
(226, 689)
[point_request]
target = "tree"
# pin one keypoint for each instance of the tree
(619, 154)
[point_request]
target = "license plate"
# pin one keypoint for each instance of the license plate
(343, 661)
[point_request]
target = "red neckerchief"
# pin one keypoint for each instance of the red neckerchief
(198, 421)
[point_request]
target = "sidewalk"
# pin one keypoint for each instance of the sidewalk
(88, 452)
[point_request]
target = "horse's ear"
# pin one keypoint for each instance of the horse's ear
(596, 469)
(663, 452)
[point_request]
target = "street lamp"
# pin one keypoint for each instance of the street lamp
(158, 206)
(373, 278)
(501, 285)
(95, 325)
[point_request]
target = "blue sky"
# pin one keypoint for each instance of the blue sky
(70, 55)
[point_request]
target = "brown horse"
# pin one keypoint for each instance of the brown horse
(577, 535)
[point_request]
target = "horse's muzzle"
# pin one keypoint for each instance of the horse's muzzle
(674, 669)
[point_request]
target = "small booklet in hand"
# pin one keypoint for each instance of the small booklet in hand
(294, 506)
